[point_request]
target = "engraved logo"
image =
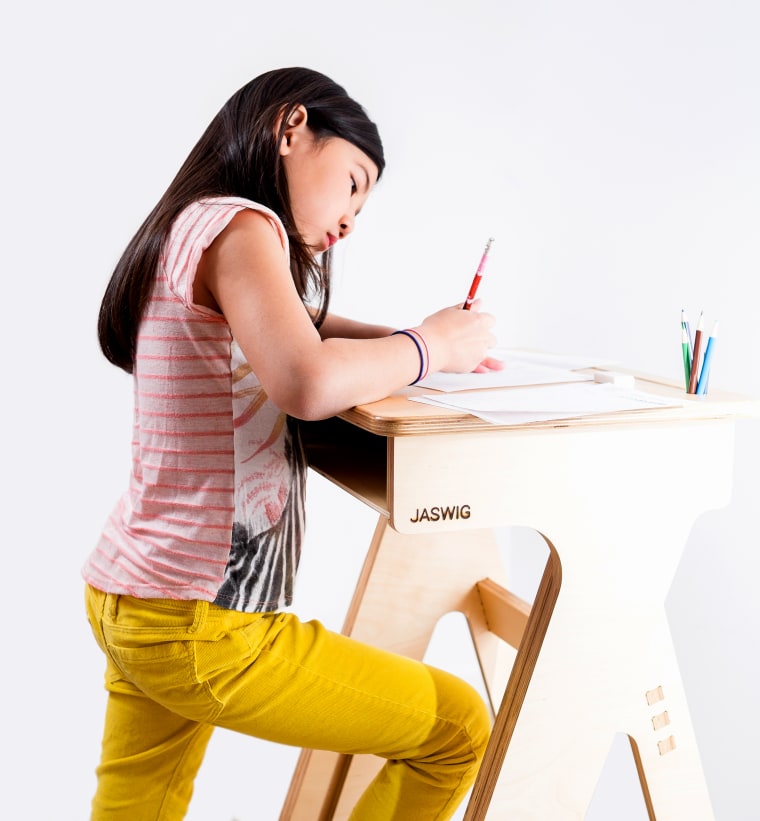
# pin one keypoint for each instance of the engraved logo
(440, 514)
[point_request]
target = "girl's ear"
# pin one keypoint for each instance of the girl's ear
(294, 130)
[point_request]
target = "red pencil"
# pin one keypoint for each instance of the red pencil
(477, 277)
(695, 365)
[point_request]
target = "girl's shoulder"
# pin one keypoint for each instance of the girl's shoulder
(206, 218)
(195, 229)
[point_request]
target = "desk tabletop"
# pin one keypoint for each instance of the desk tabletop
(397, 416)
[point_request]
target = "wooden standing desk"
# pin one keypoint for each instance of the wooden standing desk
(615, 498)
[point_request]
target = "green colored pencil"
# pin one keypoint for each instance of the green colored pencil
(686, 357)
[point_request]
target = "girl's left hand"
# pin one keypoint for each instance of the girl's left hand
(490, 363)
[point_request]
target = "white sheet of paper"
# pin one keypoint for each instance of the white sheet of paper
(517, 406)
(520, 368)
(514, 374)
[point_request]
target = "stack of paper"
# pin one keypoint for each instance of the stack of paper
(517, 406)
(535, 388)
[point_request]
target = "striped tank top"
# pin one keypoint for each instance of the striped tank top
(215, 506)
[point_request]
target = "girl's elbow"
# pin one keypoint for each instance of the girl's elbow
(309, 410)
(306, 399)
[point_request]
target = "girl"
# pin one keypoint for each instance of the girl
(218, 308)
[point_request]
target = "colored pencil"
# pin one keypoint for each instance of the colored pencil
(704, 375)
(695, 360)
(686, 357)
(477, 277)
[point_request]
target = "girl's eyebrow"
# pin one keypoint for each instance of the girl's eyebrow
(366, 177)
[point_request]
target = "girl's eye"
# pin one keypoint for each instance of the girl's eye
(353, 185)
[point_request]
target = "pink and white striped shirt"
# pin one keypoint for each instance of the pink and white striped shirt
(214, 509)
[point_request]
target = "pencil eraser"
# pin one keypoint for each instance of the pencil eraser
(622, 380)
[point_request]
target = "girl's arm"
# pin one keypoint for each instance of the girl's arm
(341, 326)
(334, 325)
(245, 275)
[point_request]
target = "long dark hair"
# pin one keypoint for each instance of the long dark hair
(238, 156)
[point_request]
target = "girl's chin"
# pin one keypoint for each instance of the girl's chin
(318, 253)
(320, 249)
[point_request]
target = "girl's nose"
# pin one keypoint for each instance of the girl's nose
(346, 226)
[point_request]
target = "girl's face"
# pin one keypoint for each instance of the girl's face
(328, 182)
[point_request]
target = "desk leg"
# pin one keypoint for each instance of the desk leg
(424, 577)
(663, 741)
(553, 731)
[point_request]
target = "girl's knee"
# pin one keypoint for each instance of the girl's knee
(479, 725)
(466, 708)
(484, 724)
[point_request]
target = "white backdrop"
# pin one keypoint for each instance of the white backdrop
(611, 149)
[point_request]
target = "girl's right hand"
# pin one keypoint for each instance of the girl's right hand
(458, 340)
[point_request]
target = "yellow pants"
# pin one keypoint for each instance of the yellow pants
(176, 669)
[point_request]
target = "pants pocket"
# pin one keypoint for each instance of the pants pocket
(153, 644)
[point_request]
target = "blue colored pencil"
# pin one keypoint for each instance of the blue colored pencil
(704, 374)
